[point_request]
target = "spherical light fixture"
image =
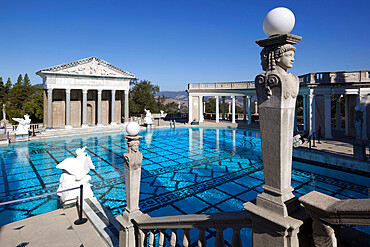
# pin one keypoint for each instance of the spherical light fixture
(358, 108)
(132, 128)
(278, 21)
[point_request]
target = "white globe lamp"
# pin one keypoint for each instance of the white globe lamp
(132, 128)
(278, 21)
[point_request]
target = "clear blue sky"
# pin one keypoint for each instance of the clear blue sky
(174, 42)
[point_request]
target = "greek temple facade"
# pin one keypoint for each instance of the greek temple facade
(318, 90)
(87, 92)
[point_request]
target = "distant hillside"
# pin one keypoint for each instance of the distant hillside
(178, 95)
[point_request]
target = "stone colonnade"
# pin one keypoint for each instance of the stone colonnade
(95, 96)
(197, 107)
(317, 113)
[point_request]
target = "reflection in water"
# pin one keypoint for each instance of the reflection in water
(234, 141)
(217, 139)
(148, 137)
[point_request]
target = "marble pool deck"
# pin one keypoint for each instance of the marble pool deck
(55, 228)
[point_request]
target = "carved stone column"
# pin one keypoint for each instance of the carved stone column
(312, 111)
(113, 107)
(217, 110)
(223, 107)
(127, 114)
(244, 108)
(50, 108)
(84, 108)
(200, 109)
(249, 109)
(233, 109)
(190, 109)
(68, 109)
(277, 91)
(99, 107)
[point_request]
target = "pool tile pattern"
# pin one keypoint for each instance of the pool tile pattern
(184, 171)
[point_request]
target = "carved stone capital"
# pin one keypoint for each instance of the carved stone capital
(133, 158)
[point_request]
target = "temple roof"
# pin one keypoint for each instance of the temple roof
(88, 66)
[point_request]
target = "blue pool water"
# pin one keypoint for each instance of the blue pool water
(187, 170)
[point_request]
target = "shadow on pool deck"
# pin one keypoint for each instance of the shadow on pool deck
(55, 228)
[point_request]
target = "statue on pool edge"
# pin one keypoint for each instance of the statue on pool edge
(75, 173)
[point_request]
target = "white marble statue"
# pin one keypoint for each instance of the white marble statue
(75, 173)
(162, 113)
(23, 126)
(148, 117)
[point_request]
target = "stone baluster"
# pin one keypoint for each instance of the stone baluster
(202, 242)
(151, 238)
(141, 238)
(161, 238)
(173, 241)
(219, 237)
(186, 239)
(236, 240)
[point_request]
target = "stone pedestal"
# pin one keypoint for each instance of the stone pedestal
(133, 160)
(359, 150)
(277, 90)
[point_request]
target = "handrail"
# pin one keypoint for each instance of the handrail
(79, 221)
(34, 197)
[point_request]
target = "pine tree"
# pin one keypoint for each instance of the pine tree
(26, 80)
(19, 80)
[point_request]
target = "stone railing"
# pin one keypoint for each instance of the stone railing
(336, 77)
(222, 85)
(219, 221)
(328, 213)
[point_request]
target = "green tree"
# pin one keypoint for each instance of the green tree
(19, 80)
(26, 80)
(34, 106)
(142, 96)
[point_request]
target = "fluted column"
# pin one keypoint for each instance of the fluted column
(50, 108)
(223, 107)
(233, 109)
(127, 114)
(99, 107)
(113, 107)
(217, 110)
(84, 108)
(327, 102)
(68, 109)
(312, 111)
(244, 108)
(190, 109)
(249, 109)
(200, 109)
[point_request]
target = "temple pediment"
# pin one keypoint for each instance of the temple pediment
(88, 66)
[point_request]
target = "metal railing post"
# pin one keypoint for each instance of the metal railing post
(80, 220)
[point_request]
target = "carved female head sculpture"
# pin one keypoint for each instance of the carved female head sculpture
(133, 146)
(280, 55)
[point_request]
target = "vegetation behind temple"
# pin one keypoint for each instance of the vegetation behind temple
(20, 99)
(142, 96)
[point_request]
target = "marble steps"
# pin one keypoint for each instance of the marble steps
(102, 220)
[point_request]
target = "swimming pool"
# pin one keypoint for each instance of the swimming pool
(184, 170)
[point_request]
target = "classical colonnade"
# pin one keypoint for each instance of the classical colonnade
(317, 89)
(114, 117)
